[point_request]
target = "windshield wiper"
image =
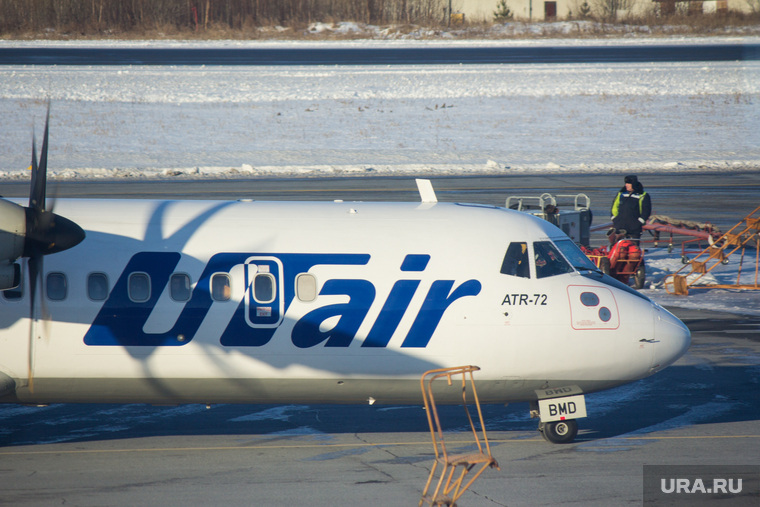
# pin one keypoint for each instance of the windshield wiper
(591, 269)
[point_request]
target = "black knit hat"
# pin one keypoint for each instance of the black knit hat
(631, 179)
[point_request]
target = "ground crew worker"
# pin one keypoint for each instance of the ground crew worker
(631, 208)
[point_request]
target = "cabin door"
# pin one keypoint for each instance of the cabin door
(264, 304)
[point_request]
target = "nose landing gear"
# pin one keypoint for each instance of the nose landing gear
(558, 416)
(559, 432)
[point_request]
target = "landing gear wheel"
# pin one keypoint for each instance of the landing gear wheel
(640, 277)
(604, 265)
(559, 432)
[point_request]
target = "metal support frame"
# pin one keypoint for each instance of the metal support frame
(450, 485)
(739, 237)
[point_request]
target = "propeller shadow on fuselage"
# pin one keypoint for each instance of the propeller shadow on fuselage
(124, 320)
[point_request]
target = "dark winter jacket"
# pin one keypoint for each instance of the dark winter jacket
(630, 210)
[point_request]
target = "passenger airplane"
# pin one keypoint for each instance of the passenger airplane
(171, 302)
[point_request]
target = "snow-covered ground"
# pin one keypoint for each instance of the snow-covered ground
(317, 120)
(231, 122)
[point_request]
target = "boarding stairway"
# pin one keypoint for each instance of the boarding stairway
(743, 236)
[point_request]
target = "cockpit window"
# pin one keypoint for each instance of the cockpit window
(549, 262)
(516, 260)
(574, 254)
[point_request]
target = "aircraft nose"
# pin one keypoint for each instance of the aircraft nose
(672, 339)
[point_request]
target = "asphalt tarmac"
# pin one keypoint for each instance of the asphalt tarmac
(719, 198)
(376, 55)
(702, 410)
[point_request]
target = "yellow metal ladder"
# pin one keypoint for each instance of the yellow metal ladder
(744, 234)
(451, 484)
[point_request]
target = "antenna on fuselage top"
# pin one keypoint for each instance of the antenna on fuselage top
(427, 194)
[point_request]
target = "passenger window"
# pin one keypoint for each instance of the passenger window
(56, 286)
(139, 287)
(97, 286)
(516, 260)
(220, 287)
(179, 287)
(306, 287)
(263, 288)
(549, 262)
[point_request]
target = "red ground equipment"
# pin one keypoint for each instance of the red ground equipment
(622, 260)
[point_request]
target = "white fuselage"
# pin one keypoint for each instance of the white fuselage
(211, 302)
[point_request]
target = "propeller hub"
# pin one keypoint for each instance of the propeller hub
(48, 233)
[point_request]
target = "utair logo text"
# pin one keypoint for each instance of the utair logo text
(121, 321)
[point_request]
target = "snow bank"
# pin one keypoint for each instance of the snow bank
(211, 122)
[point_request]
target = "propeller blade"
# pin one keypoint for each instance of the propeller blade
(50, 203)
(33, 184)
(35, 267)
(39, 174)
(46, 233)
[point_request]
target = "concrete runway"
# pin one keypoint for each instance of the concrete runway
(705, 409)
(429, 55)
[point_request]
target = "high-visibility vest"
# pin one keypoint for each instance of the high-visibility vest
(616, 202)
